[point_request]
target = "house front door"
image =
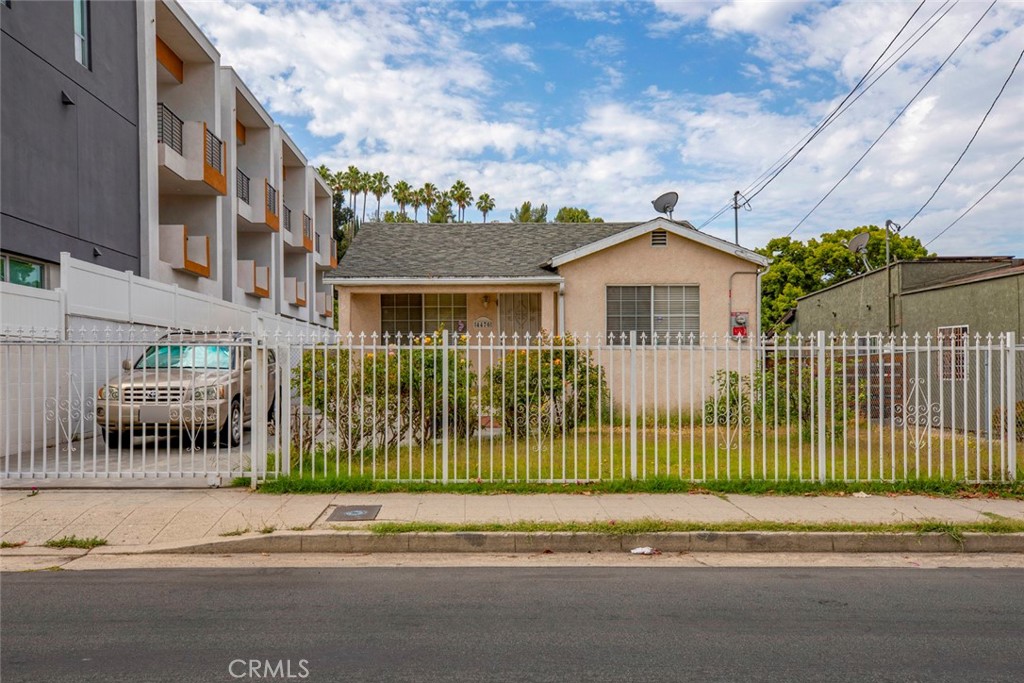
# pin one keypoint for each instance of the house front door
(519, 314)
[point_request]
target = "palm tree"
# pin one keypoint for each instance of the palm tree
(416, 200)
(462, 196)
(365, 182)
(485, 204)
(402, 194)
(430, 197)
(351, 180)
(380, 185)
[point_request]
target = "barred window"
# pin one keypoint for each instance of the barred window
(664, 310)
(953, 342)
(422, 313)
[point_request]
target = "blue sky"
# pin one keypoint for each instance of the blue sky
(605, 105)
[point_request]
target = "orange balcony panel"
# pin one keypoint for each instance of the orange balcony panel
(214, 174)
(169, 60)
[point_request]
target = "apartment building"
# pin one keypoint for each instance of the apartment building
(133, 147)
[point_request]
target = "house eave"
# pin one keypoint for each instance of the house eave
(434, 281)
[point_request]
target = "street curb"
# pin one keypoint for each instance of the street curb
(567, 542)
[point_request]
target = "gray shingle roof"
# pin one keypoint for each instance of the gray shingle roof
(440, 250)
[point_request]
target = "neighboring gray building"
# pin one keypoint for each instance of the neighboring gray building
(69, 107)
(983, 294)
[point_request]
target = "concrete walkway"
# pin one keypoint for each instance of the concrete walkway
(151, 517)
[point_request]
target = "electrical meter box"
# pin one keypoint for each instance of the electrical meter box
(738, 323)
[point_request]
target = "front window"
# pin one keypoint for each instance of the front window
(422, 313)
(663, 310)
(82, 32)
(953, 342)
(19, 271)
(187, 357)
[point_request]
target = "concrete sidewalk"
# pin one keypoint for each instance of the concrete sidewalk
(140, 518)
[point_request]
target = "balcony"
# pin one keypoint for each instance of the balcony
(325, 304)
(253, 215)
(186, 253)
(294, 291)
(287, 218)
(307, 232)
(189, 155)
(253, 279)
(334, 253)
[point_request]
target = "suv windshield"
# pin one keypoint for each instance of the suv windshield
(206, 357)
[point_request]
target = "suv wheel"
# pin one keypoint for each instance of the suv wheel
(231, 432)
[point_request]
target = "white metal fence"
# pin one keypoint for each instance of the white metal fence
(456, 408)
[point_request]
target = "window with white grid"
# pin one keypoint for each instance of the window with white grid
(664, 310)
(953, 342)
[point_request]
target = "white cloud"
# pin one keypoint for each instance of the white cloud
(520, 54)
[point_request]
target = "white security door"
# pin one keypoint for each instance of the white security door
(519, 314)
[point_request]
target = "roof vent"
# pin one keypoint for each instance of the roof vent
(659, 238)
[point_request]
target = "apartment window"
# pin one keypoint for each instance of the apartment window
(81, 8)
(664, 310)
(422, 313)
(19, 271)
(953, 342)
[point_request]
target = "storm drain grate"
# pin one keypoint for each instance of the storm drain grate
(354, 513)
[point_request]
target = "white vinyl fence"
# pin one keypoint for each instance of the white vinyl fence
(458, 408)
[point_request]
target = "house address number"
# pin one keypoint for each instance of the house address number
(483, 324)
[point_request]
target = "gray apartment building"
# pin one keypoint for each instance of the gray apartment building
(69, 112)
(127, 144)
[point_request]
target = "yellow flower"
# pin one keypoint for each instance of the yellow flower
(557, 361)
(427, 340)
(369, 355)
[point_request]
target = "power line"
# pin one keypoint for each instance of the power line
(835, 112)
(971, 207)
(969, 142)
(773, 170)
(893, 122)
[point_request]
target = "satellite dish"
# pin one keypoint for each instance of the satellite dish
(859, 245)
(665, 203)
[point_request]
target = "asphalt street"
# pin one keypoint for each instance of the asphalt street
(514, 624)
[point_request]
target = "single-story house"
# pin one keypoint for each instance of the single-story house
(658, 276)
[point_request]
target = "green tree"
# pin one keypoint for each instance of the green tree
(571, 214)
(528, 214)
(351, 181)
(462, 196)
(396, 217)
(416, 200)
(485, 204)
(365, 184)
(402, 194)
(430, 197)
(380, 185)
(443, 211)
(798, 269)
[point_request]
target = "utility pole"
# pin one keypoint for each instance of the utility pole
(889, 225)
(736, 204)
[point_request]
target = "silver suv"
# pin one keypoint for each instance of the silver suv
(191, 384)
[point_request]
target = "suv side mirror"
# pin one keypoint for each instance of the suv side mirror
(126, 364)
(247, 365)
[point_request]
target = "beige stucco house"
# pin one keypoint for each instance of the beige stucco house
(659, 276)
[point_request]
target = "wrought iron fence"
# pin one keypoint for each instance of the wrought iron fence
(169, 128)
(454, 407)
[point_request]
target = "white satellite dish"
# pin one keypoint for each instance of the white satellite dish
(859, 245)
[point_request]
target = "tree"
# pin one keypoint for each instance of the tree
(380, 185)
(416, 200)
(396, 217)
(462, 196)
(798, 269)
(485, 204)
(430, 197)
(365, 183)
(527, 214)
(442, 212)
(571, 214)
(351, 180)
(402, 194)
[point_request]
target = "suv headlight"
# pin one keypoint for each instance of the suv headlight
(208, 393)
(109, 393)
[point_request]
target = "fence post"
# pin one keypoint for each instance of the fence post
(821, 406)
(258, 411)
(1011, 404)
(632, 405)
(444, 406)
